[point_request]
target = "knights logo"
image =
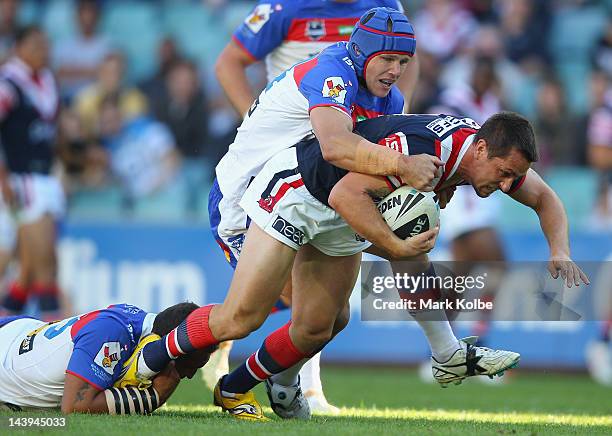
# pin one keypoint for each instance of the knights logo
(108, 356)
(334, 88)
(259, 17)
(315, 30)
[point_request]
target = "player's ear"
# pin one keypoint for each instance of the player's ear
(481, 150)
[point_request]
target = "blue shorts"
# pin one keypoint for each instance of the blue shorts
(5, 320)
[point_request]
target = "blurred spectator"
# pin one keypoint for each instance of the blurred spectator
(599, 137)
(525, 25)
(554, 127)
(487, 44)
(602, 54)
(85, 162)
(78, 59)
(183, 109)
(483, 10)
(477, 100)
(154, 87)
(142, 151)
(87, 102)
(8, 27)
(427, 93)
(443, 28)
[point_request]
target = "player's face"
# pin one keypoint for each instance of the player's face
(187, 366)
(383, 71)
(492, 173)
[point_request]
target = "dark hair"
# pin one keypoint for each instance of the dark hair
(505, 131)
(171, 317)
(24, 32)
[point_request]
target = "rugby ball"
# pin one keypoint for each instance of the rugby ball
(409, 212)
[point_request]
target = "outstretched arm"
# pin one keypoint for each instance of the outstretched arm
(536, 194)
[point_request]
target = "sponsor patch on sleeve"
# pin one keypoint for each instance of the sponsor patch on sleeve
(108, 356)
(334, 88)
(258, 17)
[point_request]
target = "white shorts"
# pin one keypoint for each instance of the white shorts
(280, 204)
(467, 212)
(37, 195)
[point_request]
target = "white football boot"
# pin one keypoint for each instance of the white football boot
(470, 360)
(599, 362)
(288, 402)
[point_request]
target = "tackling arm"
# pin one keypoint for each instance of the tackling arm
(536, 194)
(345, 149)
(352, 197)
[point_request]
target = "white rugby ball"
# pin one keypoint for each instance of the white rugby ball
(409, 212)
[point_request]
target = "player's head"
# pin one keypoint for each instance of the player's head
(380, 46)
(169, 319)
(32, 46)
(504, 149)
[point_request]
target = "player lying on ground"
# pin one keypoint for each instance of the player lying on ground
(79, 364)
(299, 229)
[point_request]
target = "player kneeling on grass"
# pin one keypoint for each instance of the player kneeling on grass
(81, 364)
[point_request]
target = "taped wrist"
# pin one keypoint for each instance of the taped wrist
(375, 160)
(131, 400)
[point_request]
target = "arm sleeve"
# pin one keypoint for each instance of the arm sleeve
(325, 85)
(264, 29)
(99, 351)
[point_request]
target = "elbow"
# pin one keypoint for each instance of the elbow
(330, 151)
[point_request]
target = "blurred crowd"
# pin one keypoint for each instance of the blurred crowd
(143, 121)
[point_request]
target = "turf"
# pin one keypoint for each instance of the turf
(388, 401)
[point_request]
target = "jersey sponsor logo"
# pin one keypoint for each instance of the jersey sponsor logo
(315, 30)
(108, 356)
(441, 126)
(334, 88)
(259, 17)
(288, 230)
(28, 343)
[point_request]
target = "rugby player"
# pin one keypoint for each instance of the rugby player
(302, 208)
(33, 197)
(284, 33)
(79, 364)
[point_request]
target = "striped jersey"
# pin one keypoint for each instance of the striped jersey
(444, 136)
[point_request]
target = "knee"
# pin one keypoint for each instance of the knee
(237, 323)
(342, 320)
(313, 335)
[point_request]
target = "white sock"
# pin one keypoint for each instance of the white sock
(441, 338)
(289, 377)
(310, 375)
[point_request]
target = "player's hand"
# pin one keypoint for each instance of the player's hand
(166, 382)
(415, 245)
(420, 171)
(445, 195)
(566, 268)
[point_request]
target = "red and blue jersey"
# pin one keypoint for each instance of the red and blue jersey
(35, 356)
(445, 136)
(285, 32)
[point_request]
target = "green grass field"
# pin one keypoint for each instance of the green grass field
(388, 401)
